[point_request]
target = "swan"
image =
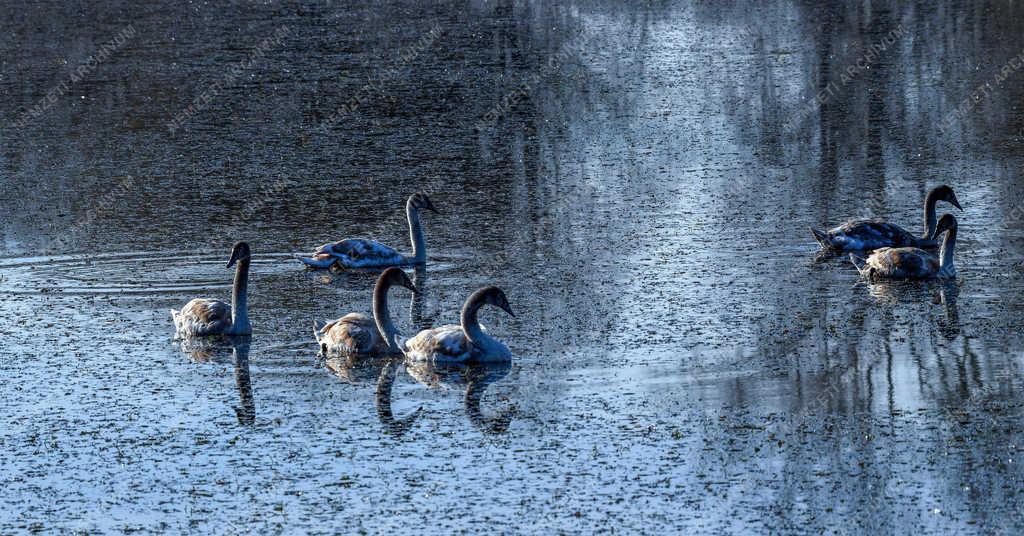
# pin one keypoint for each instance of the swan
(362, 253)
(464, 343)
(201, 317)
(359, 335)
(912, 263)
(865, 235)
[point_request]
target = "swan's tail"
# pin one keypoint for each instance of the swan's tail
(315, 263)
(177, 326)
(859, 263)
(822, 238)
(317, 329)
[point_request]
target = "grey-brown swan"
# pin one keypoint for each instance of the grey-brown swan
(202, 317)
(913, 263)
(467, 342)
(360, 335)
(363, 253)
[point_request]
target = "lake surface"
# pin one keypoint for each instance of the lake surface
(640, 181)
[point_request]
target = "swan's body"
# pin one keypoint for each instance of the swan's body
(363, 253)
(464, 343)
(912, 263)
(356, 334)
(866, 235)
(202, 317)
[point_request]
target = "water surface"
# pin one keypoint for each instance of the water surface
(640, 181)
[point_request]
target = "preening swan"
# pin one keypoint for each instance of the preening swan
(912, 263)
(362, 253)
(201, 317)
(465, 343)
(865, 235)
(360, 335)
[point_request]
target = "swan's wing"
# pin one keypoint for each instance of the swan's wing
(444, 344)
(903, 263)
(358, 252)
(353, 333)
(203, 317)
(869, 234)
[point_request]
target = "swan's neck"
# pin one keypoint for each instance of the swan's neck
(382, 317)
(929, 215)
(240, 300)
(419, 246)
(471, 326)
(946, 254)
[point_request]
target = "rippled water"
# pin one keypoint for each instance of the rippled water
(640, 181)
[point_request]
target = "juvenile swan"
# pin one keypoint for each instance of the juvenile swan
(912, 263)
(362, 253)
(356, 334)
(202, 317)
(866, 235)
(466, 343)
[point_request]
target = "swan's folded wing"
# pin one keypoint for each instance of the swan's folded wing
(203, 317)
(352, 333)
(867, 234)
(903, 262)
(356, 252)
(443, 344)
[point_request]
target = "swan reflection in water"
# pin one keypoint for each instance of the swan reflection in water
(476, 378)
(210, 350)
(382, 371)
(938, 292)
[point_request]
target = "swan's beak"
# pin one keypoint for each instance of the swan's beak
(508, 309)
(231, 262)
(956, 203)
(412, 287)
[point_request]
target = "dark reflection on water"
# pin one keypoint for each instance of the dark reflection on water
(639, 179)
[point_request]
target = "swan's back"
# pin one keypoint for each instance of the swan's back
(442, 344)
(354, 333)
(862, 235)
(202, 317)
(359, 253)
(902, 263)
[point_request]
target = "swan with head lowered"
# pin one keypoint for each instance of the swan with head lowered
(356, 334)
(912, 263)
(201, 317)
(866, 235)
(464, 343)
(363, 253)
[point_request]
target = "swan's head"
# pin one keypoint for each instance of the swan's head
(395, 276)
(238, 253)
(420, 201)
(494, 296)
(946, 222)
(945, 193)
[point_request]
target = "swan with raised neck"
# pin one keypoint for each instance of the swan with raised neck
(363, 253)
(467, 341)
(866, 235)
(203, 317)
(356, 334)
(910, 262)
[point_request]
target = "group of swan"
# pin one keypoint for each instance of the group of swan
(895, 252)
(356, 334)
